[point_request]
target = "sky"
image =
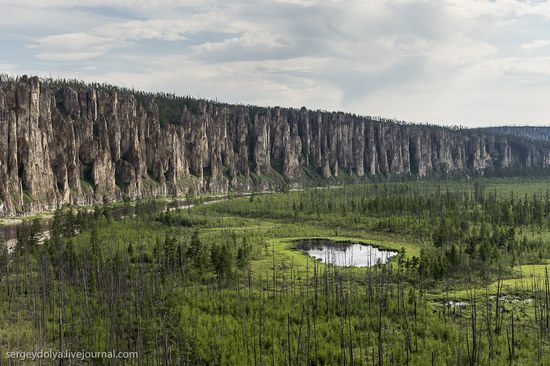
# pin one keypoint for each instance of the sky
(453, 62)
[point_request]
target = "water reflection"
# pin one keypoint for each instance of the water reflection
(344, 254)
(9, 232)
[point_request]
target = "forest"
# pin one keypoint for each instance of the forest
(222, 282)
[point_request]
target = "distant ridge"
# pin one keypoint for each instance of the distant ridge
(67, 142)
(540, 133)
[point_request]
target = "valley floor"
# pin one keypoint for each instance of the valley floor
(224, 283)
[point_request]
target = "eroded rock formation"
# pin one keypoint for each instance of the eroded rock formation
(85, 144)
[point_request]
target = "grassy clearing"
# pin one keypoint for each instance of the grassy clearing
(224, 283)
(520, 186)
(284, 255)
(525, 278)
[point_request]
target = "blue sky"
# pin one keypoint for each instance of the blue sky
(455, 62)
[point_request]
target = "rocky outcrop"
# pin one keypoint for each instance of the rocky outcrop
(83, 144)
(541, 133)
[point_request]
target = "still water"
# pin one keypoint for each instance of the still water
(344, 254)
(9, 232)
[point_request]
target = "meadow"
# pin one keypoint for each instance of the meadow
(223, 283)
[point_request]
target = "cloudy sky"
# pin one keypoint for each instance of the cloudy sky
(459, 62)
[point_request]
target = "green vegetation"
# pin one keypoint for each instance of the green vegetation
(171, 108)
(223, 284)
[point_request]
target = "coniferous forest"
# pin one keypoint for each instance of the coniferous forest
(220, 281)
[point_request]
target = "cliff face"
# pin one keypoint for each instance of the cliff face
(526, 132)
(62, 145)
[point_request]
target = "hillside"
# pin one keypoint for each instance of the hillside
(527, 132)
(69, 142)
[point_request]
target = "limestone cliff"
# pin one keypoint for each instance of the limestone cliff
(83, 144)
(541, 133)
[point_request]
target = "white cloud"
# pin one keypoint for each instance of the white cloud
(522, 69)
(416, 59)
(299, 2)
(499, 8)
(461, 51)
(7, 68)
(135, 4)
(536, 44)
(150, 29)
(100, 40)
(171, 29)
(234, 82)
(74, 47)
(249, 40)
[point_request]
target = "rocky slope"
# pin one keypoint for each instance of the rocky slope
(526, 132)
(87, 144)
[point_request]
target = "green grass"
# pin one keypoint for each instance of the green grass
(524, 277)
(283, 253)
(220, 302)
(519, 186)
(86, 186)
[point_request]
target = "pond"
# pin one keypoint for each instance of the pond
(344, 254)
